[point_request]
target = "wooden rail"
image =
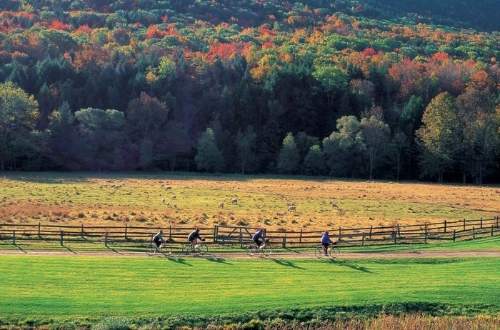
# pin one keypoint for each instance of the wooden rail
(239, 236)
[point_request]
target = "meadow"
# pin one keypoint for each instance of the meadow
(192, 199)
(66, 287)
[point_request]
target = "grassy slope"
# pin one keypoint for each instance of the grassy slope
(151, 199)
(89, 287)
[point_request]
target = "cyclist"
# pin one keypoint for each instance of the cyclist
(194, 237)
(325, 242)
(158, 240)
(258, 238)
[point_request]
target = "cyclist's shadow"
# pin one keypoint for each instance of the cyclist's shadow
(287, 263)
(178, 260)
(349, 264)
(216, 259)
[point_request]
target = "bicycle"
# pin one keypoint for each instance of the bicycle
(264, 250)
(159, 249)
(197, 248)
(332, 252)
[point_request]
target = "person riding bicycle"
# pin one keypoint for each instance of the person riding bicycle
(194, 237)
(325, 242)
(158, 240)
(258, 238)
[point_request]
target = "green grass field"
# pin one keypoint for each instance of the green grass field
(83, 287)
(481, 244)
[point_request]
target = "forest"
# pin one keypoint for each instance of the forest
(375, 89)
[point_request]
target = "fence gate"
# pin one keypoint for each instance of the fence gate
(232, 235)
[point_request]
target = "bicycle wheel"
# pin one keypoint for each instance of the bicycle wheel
(334, 251)
(319, 252)
(201, 249)
(251, 250)
(187, 249)
(266, 251)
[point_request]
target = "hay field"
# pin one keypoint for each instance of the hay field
(273, 202)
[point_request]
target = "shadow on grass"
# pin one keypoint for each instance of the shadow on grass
(286, 263)
(178, 260)
(19, 248)
(423, 261)
(349, 264)
(68, 249)
(216, 259)
(113, 249)
(48, 178)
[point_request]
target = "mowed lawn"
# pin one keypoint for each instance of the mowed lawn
(61, 287)
(197, 200)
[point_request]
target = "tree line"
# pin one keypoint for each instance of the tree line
(313, 88)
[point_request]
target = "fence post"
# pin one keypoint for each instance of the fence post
(395, 234)
(491, 230)
(464, 224)
(170, 232)
(126, 232)
(497, 221)
(445, 225)
(363, 240)
(473, 232)
(481, 223)
(300, 237)
(106, 239)
(14, 237)
(82, 232)
(61, 238)
(454, 235)
(284, 241)
(371, 229)
(425, 228)
(399, 230)
(340, 233)
(39, 230)
(241, 238)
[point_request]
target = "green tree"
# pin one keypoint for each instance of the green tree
(246, 146)
(304, 143)
(343, 148)
(62, 136)
(376, 135)
(314, 162)
(147, 119)
(439, 136)
(18, 116)
(208, 156)
(101, 138)
(288, 159)
(399, 148)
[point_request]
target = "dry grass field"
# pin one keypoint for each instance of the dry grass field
(273, 202)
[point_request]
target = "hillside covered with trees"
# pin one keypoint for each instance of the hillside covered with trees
(366, 89)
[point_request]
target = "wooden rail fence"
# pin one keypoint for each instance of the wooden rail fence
(240, 236)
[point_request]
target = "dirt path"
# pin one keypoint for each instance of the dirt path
(298, 255)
